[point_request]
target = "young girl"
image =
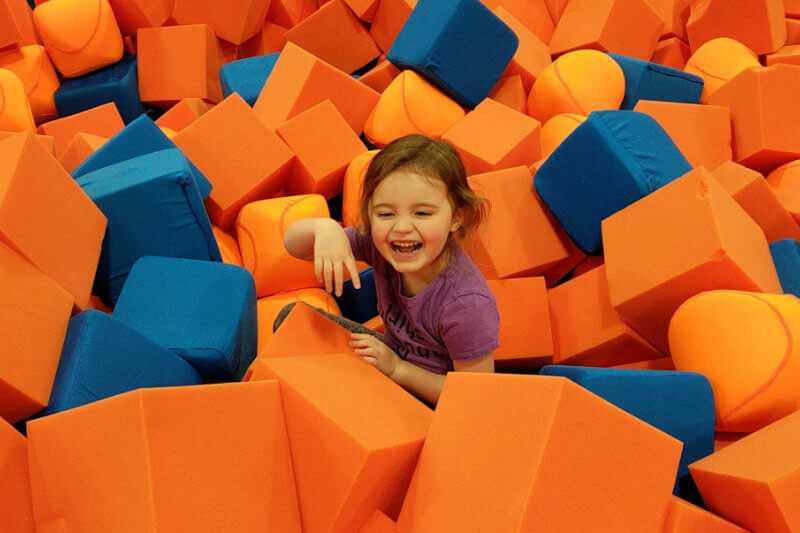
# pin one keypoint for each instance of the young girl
(438, 313)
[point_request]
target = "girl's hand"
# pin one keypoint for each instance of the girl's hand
(375, 352)
(332, 253)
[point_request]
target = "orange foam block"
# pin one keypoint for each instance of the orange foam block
(788, 55)
(588, 263)
(183, 113)
(684, 517)
(47, 142)
(270, 39)
(379, 523)
(526, 340)
(701, 132)
(237, 22)
(560, 445)
(654, 267)
(23, 14)
(671, 52)
(33, 66)
(497, 247)
(627, 27)
(674, 13)
(228, 247)
(16, 514)
(352, 187)
(380, 76)
(242, 158)
(759, 199)
(80, 147)
(324, 145)
(33, 335)
(15, 109)
(558, 128)
(495, 137)
(177, 62)
(532, 55)
(389, 19)
(38, 201)
(206, 458)
(269, 307)
(134, 14)
(103, 120)
(758, 24)
(10, 32)
(723, 439)
(718, 61)
(306, 332)
(762, 107)
(510, 92)
(363, 423)
(556, 9)
(785, 181)
(348, 48)
(260, 229)
(753, 482)
(587, 330)
(300, 80)
(662, 363)
(575, 255)
(792, 31)
(375, 323)
(80, 35)
(288, 13)
(363, 9)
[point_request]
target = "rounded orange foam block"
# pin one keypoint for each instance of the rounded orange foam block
(33, 66)
(577, 82)
(745, 343)
(557, 129)
(15, 109)
(351, 189)
(718, 61)
(785, 180)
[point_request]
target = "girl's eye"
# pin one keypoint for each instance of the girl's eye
(384, 215)
(424, 213)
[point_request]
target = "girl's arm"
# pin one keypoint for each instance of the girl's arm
(428, 385)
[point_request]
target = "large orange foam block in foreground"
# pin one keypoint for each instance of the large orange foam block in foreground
(512, 453)
(709, 243)
(208, 458)
(355, 438)
(16, 514)
(269, 307)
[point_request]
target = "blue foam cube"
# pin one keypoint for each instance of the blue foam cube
(140, 137)
(102, 357)
(650, 81)
(117, 83)
(361, 304)
(459, 45)
(203, 311)
(611, 160)
(153, 208)
(786, 256)
(247, 76)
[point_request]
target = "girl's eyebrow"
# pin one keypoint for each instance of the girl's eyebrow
(391, 206)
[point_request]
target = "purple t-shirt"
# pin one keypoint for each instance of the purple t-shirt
(454, 317)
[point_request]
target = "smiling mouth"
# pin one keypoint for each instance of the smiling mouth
(406, 248)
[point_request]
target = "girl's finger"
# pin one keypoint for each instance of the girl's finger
(337, 277)
(328, 273)
(365, 351)
(318, 267)
(350, 263)
(371, 360)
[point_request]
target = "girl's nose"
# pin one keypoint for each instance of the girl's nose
(403, 224)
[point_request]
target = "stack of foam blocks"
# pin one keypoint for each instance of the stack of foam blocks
(642, 161)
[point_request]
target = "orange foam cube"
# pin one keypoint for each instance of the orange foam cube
(510, 92)
(269, 307)
(10, 32)
(183, 113)
(627, 27)
(260, 228)
(532, 55)
(80, 35)
(759, 199)
(47, 142)
(134, 14)
(375, 323)
(787, 55)
(22, 13)
(16, 514)
(785, 181)
(305, 331)
(575, 255)
(761, 470)
(270, 39)
(654, 267)
(228, 247)
(587, 330)
(177, 62)
(352, 187)
(560, 444)
(662, 363)
(324, 145)
(288, 13)
(300, 80)
(103, 121)
(590, 262)
(533, 15)
(363, 9)
(792, 31)
(33, 334)
(671, 52)
(762, 107)
(242, 158)
(80, 147)
(205, 458)
(32, 65)
(381, 76)
(758, 24)
(526, 340)
(349, 48)
(15, 109)
(684, 517)
(723, 439)
(494, 137)
(701, 132)
(40, 200)
(496, 247)
(674, 13)
(389, 19)
(238, 22)
(556, 9)
(379, 523)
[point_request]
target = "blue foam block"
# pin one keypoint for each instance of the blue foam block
(786, 256)
(153, 208)
(361, 304)
(247, 76)
(680, 404)
(611, 160)
(117, 83)
(201, 310)
(102, 357)
(650, 81)
(459, 45)
(140, 137)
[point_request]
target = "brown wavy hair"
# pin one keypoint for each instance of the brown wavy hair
(434, 159)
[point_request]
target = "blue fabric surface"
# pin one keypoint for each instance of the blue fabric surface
(140, 137)
(786, 256)
(680, 404)
(153, 208)
(459, 45)
(361, 304)
(611, 160)
(650, 81)
(116, 83)
(203, 311)
(102, 357)
(247, 76)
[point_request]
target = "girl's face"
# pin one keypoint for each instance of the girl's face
(411, 220)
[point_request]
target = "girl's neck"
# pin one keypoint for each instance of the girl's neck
(415, 282)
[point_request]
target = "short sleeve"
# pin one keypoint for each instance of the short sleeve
(363, 248)
(470, 326)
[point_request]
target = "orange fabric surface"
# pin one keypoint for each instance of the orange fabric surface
(674, 13)
(532, 55)
(792, 31)
(47, 142)
(79, 148)
(352, 187)
(662, 363)
(134, 14)
(684, 517)
(242, 158)
(671, 52)
(10, 31)
(270, 39)
(183, 113)
(758, 24)
(33, 66)
(533, 15)
(789, 55)
(237, 22)
(364, 9)
(785, 181)
(15, 109)
(381, 76)
(558, 128)
(288, 13)
(718, 61)
(389, 19)
(379, 523)
(16, 514)
(228, 247)
(510, 92)
(654, 267)
(103, 121)
(269, 307)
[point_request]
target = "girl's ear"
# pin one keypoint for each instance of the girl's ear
(458, 219)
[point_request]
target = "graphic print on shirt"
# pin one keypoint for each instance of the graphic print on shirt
(400, 322)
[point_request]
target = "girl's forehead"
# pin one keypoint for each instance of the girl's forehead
(407, 183)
